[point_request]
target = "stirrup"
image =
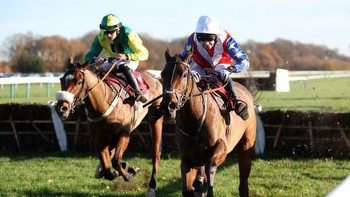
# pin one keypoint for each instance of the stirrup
(139, 97)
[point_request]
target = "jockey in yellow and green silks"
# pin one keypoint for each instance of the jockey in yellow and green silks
(123, 44)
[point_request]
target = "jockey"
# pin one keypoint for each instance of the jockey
(214, 48)
(123, 44)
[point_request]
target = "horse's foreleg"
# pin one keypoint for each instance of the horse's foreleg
(245, 155)
(188, 176)
(156, 128)
(105, 159)
(218, 157)
(200, 183)
(99, 170)
(118, 164)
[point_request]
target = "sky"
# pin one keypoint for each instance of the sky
(319, 22)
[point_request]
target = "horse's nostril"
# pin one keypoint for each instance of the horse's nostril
(172, 106)
(63, 109)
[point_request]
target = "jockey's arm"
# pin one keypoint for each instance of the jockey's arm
(188, 47)
(236, 53)
(95, 50)
(140, 51)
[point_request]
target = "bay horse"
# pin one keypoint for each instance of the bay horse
(203, 138)
(110, 120)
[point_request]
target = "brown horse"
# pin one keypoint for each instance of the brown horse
(110, 119)
(202, 135)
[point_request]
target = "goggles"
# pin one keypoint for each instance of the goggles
(206, 37)
(109, 32)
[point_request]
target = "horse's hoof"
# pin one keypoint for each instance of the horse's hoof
(131, 172)
(151, 192)
(98, 175)
(98, 172)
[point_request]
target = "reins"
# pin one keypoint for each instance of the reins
(207, 91)
(111, 107)
(103, 78)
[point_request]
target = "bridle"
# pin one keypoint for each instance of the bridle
(78, 98)
(184, 96)
(181, 96)
(77, 101)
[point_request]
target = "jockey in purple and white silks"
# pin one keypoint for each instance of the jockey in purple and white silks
(215, 48)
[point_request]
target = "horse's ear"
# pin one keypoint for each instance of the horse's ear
(167, 54)
(70, 62)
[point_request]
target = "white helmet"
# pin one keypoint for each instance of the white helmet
(208, 25)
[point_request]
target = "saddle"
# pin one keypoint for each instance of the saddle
(119, 84)
(222, 98)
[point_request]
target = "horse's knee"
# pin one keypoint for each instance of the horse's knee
(219, 153)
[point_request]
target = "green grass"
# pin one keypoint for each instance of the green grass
(330, 94)
(38, 93)
(71, 174)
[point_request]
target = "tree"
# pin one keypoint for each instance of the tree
(26, 63)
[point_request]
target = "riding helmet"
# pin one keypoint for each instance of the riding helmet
(110, 22)
(207, 25)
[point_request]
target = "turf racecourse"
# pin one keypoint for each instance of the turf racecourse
(72, 174)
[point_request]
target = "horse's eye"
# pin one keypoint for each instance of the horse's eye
(184, 74)
(79, 82)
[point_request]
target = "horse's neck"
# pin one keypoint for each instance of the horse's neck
(98, 95)
(193, 109)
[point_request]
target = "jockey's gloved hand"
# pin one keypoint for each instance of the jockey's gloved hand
(224, 75)
(196, 76)
(99, 60)
(232, 69)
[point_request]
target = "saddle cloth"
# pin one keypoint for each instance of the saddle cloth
(222, 97)
(118, 81)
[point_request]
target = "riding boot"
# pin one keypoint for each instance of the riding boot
(240, 107)
(133, 82)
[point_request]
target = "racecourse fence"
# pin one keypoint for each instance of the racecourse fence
(322, 134)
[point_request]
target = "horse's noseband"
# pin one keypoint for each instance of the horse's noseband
(77, 100)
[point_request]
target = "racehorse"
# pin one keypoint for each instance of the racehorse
(110, 117)
(203, 136)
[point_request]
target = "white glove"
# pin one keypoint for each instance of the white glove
(196, 76)
(224, 75)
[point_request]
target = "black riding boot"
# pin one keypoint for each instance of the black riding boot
(240, 107)
(133, 82)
